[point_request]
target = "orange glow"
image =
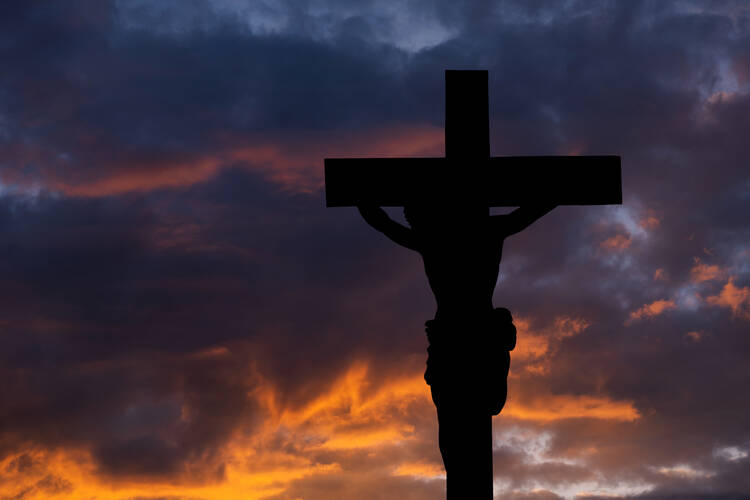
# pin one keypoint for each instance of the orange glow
(531, 345)
(735, 298)
(694, 336)
(649, 222)
(557, 407)
(534, 349)
(703, 272)
(420, 470)
(293, 162)
(617, 242)
(650, 310)
(565, 326)
(144, 177)
(531, 350)
(355, 413)
(75, 477)
(344, 418)
(296, 163)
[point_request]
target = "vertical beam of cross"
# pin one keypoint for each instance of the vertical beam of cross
(467, 119)
(467, 140)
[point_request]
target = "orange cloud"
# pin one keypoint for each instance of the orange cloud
(660, 275)
(558, 407)
(650, 310)
(164, 173)
(566, 326)
(71, 475)
(535, 349)
(701, 272)
(363, 405)
(298, 163)
(356, 415)
(420, 470)
(293, 162)
(352, 414)
(694, 336)
(735, 298)
(530, 345)
(617, 242)
(649, 222)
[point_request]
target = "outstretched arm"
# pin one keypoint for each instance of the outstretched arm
(379, 219)
(521, 218)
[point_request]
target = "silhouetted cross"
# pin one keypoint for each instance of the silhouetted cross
(466, 254)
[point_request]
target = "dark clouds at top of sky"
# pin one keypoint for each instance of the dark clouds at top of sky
(135, 82)
(106, 297)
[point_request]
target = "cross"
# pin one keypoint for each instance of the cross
(468, 175)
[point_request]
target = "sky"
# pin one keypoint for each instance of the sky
(182, 319)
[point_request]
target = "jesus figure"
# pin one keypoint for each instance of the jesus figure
(469, 339)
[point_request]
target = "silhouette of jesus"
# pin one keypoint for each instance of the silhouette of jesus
(468, 356)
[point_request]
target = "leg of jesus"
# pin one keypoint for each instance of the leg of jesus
(465, 438)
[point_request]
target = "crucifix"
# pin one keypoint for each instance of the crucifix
(446, 203)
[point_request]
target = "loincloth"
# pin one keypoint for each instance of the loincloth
(469, 360)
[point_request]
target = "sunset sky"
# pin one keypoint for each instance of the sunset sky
(182, 319)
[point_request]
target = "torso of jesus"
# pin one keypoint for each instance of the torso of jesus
(461, 249)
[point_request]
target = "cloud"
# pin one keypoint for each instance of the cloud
(421, 470)
(566, 326)
(695, 336)
(731, 453)
(553, 407)
(705, 272)
(616, 242)
(536, 347)
(650, 222)
(685, 471)
(733, 297)
(651, 310)
(293, 163)
(412, 26)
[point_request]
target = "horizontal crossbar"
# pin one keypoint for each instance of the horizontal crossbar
(503, 181)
